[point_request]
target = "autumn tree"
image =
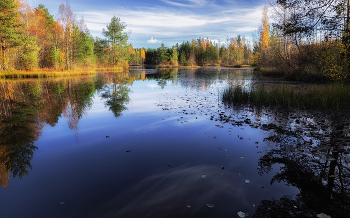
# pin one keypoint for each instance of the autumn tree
(309, 39)
(28, 52)
(45, 31)
(66, 19)
(264, 31)
(82, 45)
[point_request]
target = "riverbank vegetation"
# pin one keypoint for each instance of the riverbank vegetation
(307, 41)
(202, 52)
(31, 39)
(328, 96)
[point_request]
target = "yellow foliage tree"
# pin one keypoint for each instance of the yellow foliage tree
(264, 33)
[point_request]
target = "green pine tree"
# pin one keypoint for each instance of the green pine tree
(118, 40)
(10, 34)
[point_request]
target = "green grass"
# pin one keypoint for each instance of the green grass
(332, 96)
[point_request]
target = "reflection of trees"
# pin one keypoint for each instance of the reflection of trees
(163, 75)
(18, 126)
(315, 160)
(116, 98)
(202, 78)
(117, 94)
(25, 108)
(320, 191)
(79, 98)
(313, 147)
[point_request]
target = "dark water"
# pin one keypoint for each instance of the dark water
(148, 143)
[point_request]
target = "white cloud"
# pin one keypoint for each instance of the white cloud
(195, 3)
(177, 25)
(153, 40)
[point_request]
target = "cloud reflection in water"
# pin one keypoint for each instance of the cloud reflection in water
(168, 193)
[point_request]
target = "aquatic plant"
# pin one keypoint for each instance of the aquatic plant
(331, 96)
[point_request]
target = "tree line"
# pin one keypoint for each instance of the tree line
(30, 38)
(309, 40)
(201, 51)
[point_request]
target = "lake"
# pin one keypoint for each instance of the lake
(162, 143)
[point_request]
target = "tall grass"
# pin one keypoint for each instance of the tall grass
(45, 73)
(332, 96)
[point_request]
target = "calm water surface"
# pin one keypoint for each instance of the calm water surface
(148, 143)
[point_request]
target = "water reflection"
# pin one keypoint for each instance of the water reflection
(27, 106)
(179, 192)
(311, 147)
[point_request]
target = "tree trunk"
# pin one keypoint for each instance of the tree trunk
(2, 55)
(346, 37)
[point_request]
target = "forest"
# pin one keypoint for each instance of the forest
(30, 38)
(306, 41)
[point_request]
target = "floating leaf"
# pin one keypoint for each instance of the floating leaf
(241, 214)
(322, 215)
(240, 174)
(210, 205)
(332, 176)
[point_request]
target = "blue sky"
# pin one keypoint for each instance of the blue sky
(152, 22)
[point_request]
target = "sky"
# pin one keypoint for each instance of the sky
(150, 23)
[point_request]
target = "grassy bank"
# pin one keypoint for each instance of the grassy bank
(49, 73)
(238, 66)
(332, 96)
(166, 66)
